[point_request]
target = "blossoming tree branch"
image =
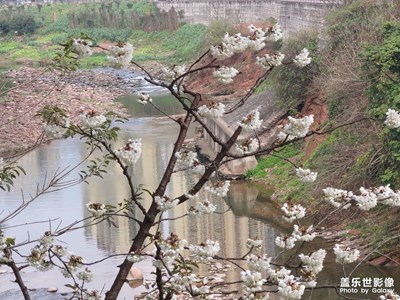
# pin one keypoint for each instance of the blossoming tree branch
(176, 262)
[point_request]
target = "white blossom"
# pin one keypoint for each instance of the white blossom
(298, 127)
(2, 164)
(220, 188)
(258, 263)
(366, 200)
(221, 52)
(56, 131)
(249, 146)
(212, 110)
(389, 296)
(253, 281)
(293, 211)
(305, 175)
(97, 209)
(205, 251)
(225, 74)
(132, 257)
(285, 242)
(392, 119)
(46, 240)
(345, 256)
(387, 195)
(144, 98)
(202, 208)
(85, 275)
(337, 197)
(277, 275)
(275, 33)
(251, 121)
(254, 244)
(315, 261)
(188, 159)
(302, 59)
(92, 119)
(175, 72)
(290, 289)
(59, 250)
(267, 61)
(91, 295)
(131, 152)
(306, 234)
(165, 203)
(121, 55)
(81, 47)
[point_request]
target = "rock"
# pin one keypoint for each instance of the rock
(52, 289)
(135, 277)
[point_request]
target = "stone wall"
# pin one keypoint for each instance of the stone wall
(292, 15)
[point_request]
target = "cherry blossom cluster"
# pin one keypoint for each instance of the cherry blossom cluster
(293, 211)
(5, 256)
(290, 289)
(220, 188)
(313, 263)
(297, 128)
(337, 197)
(225, 74)
(238, 43)
(121, 55)
(251, 121)
(73, 265)
(96, 209)
(92, 119)
(249, 146)
(81, 47)
(254, 244)
(212, 110)
(174, 72)
(302, 59)
(392, 119)
(131, 152)
(39, 257)
(304, 233)
(258, 263)
(165, 203)
(252, 281)
(202, 208)
(56, 131)
(285, 241)
(205, 251)
(144, 98)
(270, 60)
(305, 175)
(188, 159)
(346, 255)
(366, 200)
(170, 249)
(389, 296)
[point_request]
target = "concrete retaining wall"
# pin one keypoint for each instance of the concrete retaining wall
(293, 15)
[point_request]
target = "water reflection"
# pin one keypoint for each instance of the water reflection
(97, 242)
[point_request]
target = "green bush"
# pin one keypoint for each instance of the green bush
(292, 83)
(18, 22)
(382, 68)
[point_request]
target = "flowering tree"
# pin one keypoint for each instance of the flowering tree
(175, 260)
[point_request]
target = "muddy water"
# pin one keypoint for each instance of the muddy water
(250, 213)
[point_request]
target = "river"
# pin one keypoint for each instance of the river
(251, 213)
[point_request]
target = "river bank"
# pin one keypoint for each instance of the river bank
(31, 89)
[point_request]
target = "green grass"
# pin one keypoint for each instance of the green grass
(6, 47)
